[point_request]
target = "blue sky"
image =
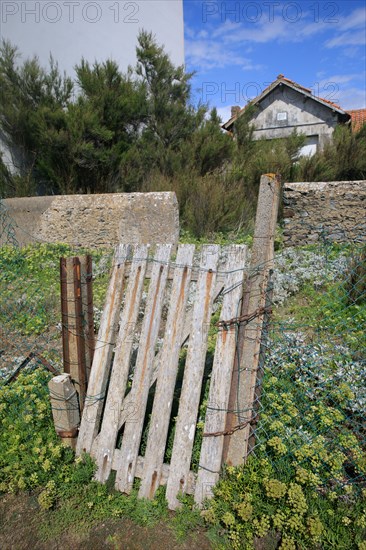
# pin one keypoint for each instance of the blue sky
(238, 47)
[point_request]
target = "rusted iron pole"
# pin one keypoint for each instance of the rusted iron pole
(77, 320)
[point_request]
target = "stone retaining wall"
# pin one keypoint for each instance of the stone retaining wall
(96, 221)
(333, 210)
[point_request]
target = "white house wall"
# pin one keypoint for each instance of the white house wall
(95, 30)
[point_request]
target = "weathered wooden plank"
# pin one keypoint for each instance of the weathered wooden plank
(143, 369)
(191, 480)
(218, 399)
(160, 417)
(121, 364)
(192, 380)
(81, 379)
(243, 386)
(103, 353)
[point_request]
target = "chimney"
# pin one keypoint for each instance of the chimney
(235, 110)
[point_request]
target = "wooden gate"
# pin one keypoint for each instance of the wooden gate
(119, 411)
(157, 300)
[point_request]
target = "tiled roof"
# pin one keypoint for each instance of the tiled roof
(358, 118)
(331, 103)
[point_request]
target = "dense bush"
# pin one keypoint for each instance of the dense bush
(110, 131)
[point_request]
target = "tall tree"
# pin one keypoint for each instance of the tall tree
(29, 94)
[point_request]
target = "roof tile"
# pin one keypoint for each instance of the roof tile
(358, 118)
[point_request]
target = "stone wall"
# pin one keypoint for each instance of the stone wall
(334, 210)
(96, 220)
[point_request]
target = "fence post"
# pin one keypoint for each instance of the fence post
(77, 320)
(65, 408)
(242, 393)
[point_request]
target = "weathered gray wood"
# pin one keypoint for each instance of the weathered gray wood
(103, 353)
(169, 358)
(143, 369)
(128, 407)
(243, 386)
(192, 381)
(65, 408)
(218, 399)
(191, 480)
(121, 364)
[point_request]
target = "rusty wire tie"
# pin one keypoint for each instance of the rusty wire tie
(240, 426)
(244, 319)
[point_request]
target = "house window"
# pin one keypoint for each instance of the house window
(282, 116)
(310, 147)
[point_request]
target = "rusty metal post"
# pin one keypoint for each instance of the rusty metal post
(64, 315)
(77, 320)
(87, 303)
(80, 335)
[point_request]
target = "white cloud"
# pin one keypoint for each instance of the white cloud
(353, 21)
(347, 39)
(210, 54)
(348, 30)
(352, 98)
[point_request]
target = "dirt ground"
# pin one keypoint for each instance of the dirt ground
(20, 517)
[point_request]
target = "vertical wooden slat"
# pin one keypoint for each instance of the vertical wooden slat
(244, 375)
(143, 369)
(121, 364)
(169, 358)
(218, 399)
(103, 353)
(262, 355)
(192, 382)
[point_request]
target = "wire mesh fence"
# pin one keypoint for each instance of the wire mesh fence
(311, 396)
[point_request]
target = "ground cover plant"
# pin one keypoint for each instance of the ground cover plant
(303, 485)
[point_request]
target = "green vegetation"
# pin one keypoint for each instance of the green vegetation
(302, 487)
(139, 131)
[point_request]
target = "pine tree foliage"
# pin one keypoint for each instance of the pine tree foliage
(139, 131)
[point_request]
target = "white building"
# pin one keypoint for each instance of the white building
(95, 30)
(285, 106)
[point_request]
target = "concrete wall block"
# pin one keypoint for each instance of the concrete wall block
(96, 221)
